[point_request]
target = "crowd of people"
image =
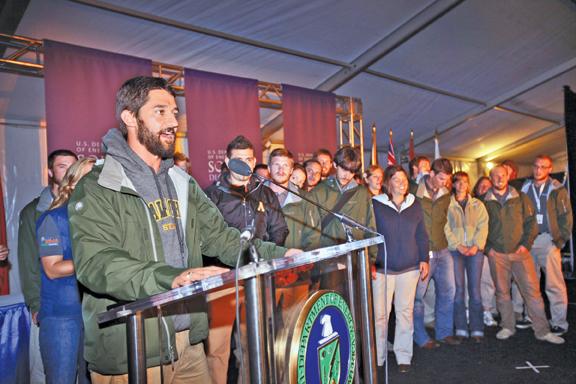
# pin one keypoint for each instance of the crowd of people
(137, 224)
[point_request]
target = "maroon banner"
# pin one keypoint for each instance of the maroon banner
(309, 121)
(218, 108)
(81, 85)
(4, 266)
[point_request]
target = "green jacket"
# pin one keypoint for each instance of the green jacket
(512, 224)
(559, 212)
(118, 257)
(467, 226)
(435, 214)
(359, 208)
(298, 218)
(28, 256)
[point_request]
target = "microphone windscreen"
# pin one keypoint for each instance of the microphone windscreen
(239, 167)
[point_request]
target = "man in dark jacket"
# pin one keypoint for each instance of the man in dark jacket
(28, 256)
(434, 198)
(244, 202)
(139, 227)
(511, 232)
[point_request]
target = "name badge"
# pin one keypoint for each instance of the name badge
(540, 218)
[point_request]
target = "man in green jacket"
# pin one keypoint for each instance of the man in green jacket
(139, 227)
(434, 198)
(554, 219)
(511, 231)
(28, 256)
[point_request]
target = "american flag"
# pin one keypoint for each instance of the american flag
(391, 155)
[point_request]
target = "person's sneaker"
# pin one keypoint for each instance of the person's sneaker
(524, 323)
(551, 338)
(450, 340)
(504, 334)
(404, 368)
(489, 319)
(430, 344)
(558, 331)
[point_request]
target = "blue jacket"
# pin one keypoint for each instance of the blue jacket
(405, 234)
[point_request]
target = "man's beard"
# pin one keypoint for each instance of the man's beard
(153, 143)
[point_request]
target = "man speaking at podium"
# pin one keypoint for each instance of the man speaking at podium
(139, 227)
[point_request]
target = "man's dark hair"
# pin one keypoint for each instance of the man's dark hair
(442, 165)
(280, 152)
(322, 151)
(239, 142)
(260, 166)
(133, 94)
(348, 158)
(59, 152)
(310, 161)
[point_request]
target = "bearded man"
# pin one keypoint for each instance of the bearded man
(139, 227)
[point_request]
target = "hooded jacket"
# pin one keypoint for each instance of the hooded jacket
(118, 256)
(559, 211)
(510, 224)
(467, 226)
(405, 234)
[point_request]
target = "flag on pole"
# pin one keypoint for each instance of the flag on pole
(4, 267)
(391, 155)
(411, 154)
(436, 146)
(374, 154)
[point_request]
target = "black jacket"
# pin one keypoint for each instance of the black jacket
(256, 204)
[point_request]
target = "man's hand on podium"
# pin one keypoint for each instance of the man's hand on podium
(292, 252)
(194, 274)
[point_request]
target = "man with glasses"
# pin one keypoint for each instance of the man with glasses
(554, 218)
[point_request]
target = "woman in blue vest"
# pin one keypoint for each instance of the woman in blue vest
(60, 316)
(399, 265)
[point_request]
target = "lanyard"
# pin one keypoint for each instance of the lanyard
(538, 195)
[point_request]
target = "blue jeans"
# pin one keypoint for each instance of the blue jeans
(442, 271)
(61, 347)
(470, 267)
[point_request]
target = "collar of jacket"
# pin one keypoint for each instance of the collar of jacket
(45, 200)
(472, 201)
(554, 184)
(384, 199)
(113, 177)
(422, 191)
(512, 193)
(292, 198)
(333, 183)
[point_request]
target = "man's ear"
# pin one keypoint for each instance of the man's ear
(50, 173)
(226, 160)
(129, 118)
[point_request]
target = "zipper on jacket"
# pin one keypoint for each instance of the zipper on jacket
(155, 254)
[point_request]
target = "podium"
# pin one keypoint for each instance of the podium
(319, 337)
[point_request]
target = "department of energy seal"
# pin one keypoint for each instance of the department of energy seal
(323, 347)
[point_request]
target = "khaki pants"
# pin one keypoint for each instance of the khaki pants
(504, 267)
(403, 288)
(547, 257)
(191, 367)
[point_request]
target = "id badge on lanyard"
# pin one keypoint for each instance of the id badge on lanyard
(539, 216)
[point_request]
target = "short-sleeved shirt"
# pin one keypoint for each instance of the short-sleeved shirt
(59, 297)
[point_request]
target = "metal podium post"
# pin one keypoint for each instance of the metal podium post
(254, 325)
(136, 348)
(366, 324)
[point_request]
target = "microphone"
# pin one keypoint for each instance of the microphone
(247, 234)
(241, 168)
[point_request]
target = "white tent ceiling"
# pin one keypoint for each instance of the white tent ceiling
(420, 64)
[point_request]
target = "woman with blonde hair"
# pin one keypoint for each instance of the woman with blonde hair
(60, 315)
(374, 177)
